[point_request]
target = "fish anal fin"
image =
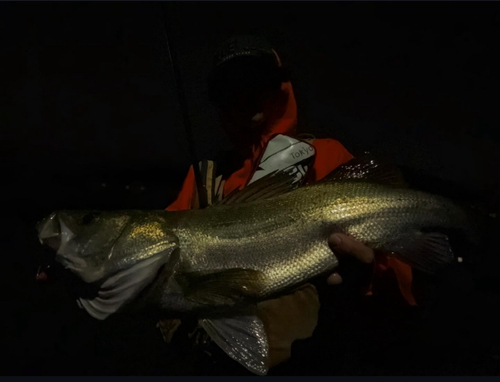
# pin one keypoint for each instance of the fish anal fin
(243, 338)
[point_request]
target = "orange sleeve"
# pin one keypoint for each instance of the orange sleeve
(385, 267)
(330, 154)
(404, 277)
(185, 199)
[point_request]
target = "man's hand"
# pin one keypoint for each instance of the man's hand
(343, 244)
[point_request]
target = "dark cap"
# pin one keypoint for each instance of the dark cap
(245, 45)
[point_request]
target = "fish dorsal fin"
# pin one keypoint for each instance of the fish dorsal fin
(271, 185)
(243, 338)
(366, 168)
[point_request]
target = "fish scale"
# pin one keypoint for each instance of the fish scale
(285, 237)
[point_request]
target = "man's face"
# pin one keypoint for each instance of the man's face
(247, 116)
(247, 110)
(248, 93)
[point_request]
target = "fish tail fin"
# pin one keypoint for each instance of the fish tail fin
(472, 224)
(425, 251)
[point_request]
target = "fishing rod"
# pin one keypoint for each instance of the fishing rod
(177, 78)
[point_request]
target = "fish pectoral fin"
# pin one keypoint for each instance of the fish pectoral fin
(243, 338)
(124, 286)
(225, 287)
(366, 168)
(427, 252)
(168, 327)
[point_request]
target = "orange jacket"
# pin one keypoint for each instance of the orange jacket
(329, 155)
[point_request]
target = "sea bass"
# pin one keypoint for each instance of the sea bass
(257, 243)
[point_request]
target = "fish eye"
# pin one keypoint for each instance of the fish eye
(90, 217)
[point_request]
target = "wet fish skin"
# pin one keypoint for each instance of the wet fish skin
(286, 237)
(283, 240)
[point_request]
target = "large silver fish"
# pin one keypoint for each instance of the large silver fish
(259, 242)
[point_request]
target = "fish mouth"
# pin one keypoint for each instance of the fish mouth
(55, 234)
(55, 267)
(49, 231)
(49, 234)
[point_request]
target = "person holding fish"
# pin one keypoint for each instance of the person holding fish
(257, 108)
(239, 256)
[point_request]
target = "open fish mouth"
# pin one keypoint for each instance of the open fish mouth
(53, 233)
(49, 231)
(49, 235)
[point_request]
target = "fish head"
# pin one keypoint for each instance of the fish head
(82, 239)
(113, 254)
(97, 244)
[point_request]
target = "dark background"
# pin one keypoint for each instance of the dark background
(89, 117)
